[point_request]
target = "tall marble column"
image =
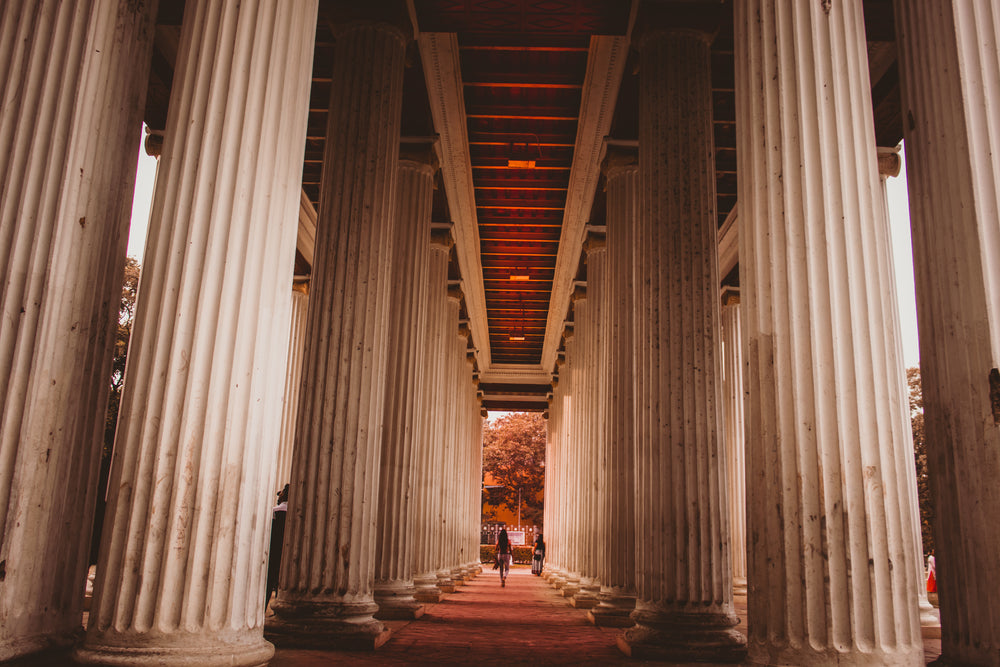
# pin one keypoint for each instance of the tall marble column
(592, 528)
(950, 86)
(293, 382)
(427, 465)
(831, 538)
(72, 89)
(889, 165)
(684, 609)
(617, 597)
(404, 385)
(183, 561)
(733, 427)
(446, 431)
(325, 595)
(575, 345)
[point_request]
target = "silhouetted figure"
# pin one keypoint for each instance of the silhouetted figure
(504, 555)
(277, 540)
(538, 557)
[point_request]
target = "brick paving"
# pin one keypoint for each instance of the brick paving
(526, 623)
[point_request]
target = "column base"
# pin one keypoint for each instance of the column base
(761, 654)
(684, 637)
(570, 587)
(739, 585)
(174, 651)
(426, 588)
(586, 597)
(458, 576)
(325, 625)
(929, 617)
(17, 647)
(444, 582)
(396, 601)
(612, 611)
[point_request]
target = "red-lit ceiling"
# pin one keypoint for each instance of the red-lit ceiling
(523, 66)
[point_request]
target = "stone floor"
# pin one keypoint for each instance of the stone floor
(525, 623)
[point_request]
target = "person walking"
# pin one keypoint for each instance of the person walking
(504, 555)
(538, 558)
(277, 541)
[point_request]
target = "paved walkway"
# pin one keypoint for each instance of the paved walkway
(526, 623)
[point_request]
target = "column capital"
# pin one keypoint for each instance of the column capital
(889, 163)
(301, 286)
(619, 156)
(595, 240)
(730, 295)
(441, 236)
(661, 17)
(455, 293)
(421, 151)
(579, 292)
(346, 15)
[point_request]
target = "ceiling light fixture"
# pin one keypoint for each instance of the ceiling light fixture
(524, 154)
(520, 275)
(518, 334)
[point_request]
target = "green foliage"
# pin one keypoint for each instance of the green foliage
(522, 554)
(920, 457)
(126, 313)
(514, 456)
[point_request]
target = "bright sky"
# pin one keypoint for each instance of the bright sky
(899, 217)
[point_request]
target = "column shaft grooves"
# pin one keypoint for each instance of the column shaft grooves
(72, 87)
(950, 84)
(182, 565)
(823, 423)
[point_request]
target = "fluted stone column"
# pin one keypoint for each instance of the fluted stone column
(831, 540)
(575, 345)
(447, 433)
(293, 382)
(72, 89)
(592, 528)
(427, 466)
(560, 548)
(950, 86)
(617, 597)
(183, 555)
(889, 166)
(684, 609)
(394, 588)
(554, 470)
(325, 596)
(733, 428)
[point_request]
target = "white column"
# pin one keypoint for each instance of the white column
(889, 165)
(404, 386)
(183, 558)
(951, 88)
(325, 596)
(830, 572)
(733, 428)
(293, 382)
(617, 597)
(446, 431)
(592, 530)
(684, 609)
(575, 345)
(427, 467)
(72, 88)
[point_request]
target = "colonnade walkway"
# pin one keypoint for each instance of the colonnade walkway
(525, 623)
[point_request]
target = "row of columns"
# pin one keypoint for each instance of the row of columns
(807, 362)
(211, 396)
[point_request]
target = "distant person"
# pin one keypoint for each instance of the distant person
(931, 574)
(538, 557)
(504, 555)
(277, 541)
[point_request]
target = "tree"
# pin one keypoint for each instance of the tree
(514, 456)
(126, 314)
(920, 457)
